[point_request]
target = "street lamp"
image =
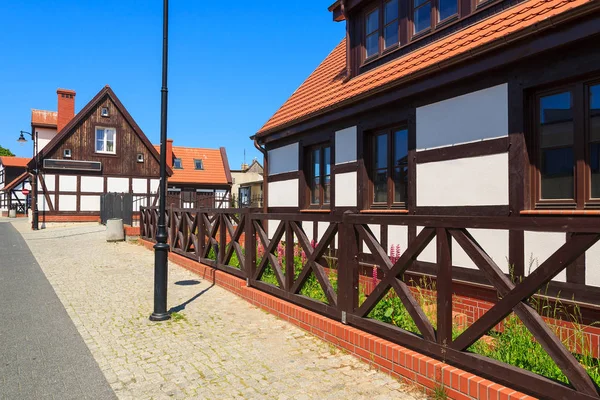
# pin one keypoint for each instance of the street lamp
(161, 248)
(22, 140)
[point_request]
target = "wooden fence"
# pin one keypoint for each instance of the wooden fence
(236, 234)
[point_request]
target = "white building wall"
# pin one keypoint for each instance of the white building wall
(541, 245)
(346, 191)
(471, 117)
(45, 135)
(154, 185)
(140, 185)
(283, 193)
(67, 202)
(67, 183)
(90, 203)
(592, 265)
(283, 159)
(50, 181)
(117, 185)
(474, 181)
(42, 204)
(92, 184)
(345, 145)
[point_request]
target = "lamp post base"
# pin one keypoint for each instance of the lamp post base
(160, 317)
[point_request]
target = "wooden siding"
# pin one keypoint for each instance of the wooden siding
(81, 142)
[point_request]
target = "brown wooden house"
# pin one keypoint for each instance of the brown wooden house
(97, 151)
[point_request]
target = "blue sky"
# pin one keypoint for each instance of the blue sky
(229, 69)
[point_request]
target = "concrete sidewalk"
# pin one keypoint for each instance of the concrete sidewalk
(217, 347)
(42, 355)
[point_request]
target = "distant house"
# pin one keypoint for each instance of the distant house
(201, 177)
(247, 186)
(97, 151)
(13, 174)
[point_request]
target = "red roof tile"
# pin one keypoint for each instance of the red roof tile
(213, 163)
(327, 88)
(14, 161)
(44, 118)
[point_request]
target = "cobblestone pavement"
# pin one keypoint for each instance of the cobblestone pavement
(217, 347)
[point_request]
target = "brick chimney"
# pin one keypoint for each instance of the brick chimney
(170, 153)
(66, 107)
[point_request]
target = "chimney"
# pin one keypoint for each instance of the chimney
(170, 153)
(245, 166)
(66, 107)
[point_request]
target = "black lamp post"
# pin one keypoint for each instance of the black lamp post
(161, 248)
(21, 139)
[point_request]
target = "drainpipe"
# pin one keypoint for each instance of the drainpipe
(265, 174)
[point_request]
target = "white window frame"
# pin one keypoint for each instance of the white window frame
(104, 142)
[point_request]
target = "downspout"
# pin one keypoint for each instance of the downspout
(265, 174)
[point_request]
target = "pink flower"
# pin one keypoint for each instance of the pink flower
(374, 275)
(393, 254)
(303, 255)
(280, 252)
(261, 250)
(398, 251)
(313, 243)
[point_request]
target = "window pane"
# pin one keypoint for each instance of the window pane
(380, 186)
(556, 117)
(315, 195)
(316, 164)
(391, 34)
(391, 11)
(99, 139)
(595, 169)
(373, 21)
(595, 113)
(100, 134)
(557, 173)
(419, 2)
(380, 152)
(110, 146)
(327, 161)
(422, 17)
(327, 189)
(447, 8)
(400, 148)
(372, 45)
(110, 134)
(400, 184)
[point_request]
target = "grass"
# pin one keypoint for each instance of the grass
(176, 317)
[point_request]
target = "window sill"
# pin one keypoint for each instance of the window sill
(384, 211)
(316, 210)
(560, 212)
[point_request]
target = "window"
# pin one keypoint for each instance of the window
(428, 13)
(106, 140)
(177, 163)
(382, 28)
(319, 176)
(389, 168)
(1, 175)
(372, 31)
(568, 147)
(104, 112)
(198, 164)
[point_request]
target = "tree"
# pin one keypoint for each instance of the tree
(5, 152)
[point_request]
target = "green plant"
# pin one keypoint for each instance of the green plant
(439, 392)
(176, 317)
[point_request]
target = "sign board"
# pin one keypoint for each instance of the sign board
(25, 191)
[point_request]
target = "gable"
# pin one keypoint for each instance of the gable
(79, 136)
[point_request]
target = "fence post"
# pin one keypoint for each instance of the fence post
(347, 268)
(142, 223)
(201, 234)
(289, 256)
(250, 247)
(444, 287)
(222, 240)
(171, 228)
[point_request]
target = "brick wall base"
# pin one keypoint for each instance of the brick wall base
(70, 218)
(388, 357)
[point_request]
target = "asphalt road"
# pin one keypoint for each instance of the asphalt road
(42, 355)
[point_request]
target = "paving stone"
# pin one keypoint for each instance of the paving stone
(223, 347)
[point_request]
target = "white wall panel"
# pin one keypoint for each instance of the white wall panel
(45, 135)
(42, 204)
(475, 181)
(429, 254)
(541, 245)
(467, 118)
(67, 183)
(117, 185)
(67, 202)
(376, 229)
(272, 226)
(592, 265)
(346, 190)
(397, 235)
(154, 185)
(345, 145)
(50, 182)
(92, 184)
(140, 185)
(90, 203)
(283, 159)
(494, 242)
(283, 193)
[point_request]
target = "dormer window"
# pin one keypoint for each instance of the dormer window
(177, 163)
(198, 164)
(372, 24)
(423, 17)
(382, 28)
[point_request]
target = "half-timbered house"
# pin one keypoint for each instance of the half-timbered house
(100, 150)
(13, 173)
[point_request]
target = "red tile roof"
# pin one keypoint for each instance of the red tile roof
(14, 161)
(43, 118)
(327, 88)
(214, 172)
